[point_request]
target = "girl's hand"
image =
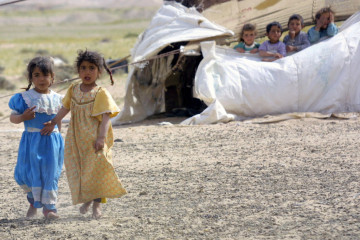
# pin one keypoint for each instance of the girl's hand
(99, 144)
(255, 50)
(48, 128)
(278, 55)
(28, 114)
(290, 48)
(240, 50)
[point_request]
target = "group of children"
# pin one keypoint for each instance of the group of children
(87, 148)
(296, 40)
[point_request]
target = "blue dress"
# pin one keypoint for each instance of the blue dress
(40, 158)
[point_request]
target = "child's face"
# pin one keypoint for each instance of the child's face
(89, 73)
(325, 20)
(295, 25)
(274, 34)
(249, 37)
(41, 81)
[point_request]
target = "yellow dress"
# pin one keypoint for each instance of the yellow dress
(90, 174)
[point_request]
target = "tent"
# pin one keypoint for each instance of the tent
(226, 85)
(156, 86)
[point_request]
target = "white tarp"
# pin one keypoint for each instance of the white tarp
(323, 78)
(172, 23)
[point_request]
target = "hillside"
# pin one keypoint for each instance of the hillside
(60, 28)
(33, 4)
(54, 13)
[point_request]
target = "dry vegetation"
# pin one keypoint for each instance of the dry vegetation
(57, 29)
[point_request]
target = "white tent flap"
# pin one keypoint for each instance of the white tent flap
(323, 78)
(173, 23)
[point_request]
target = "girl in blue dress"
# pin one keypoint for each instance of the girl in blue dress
(40, 157)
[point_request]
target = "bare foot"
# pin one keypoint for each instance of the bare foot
(52, 216)
(31, 212)
(96, 210)
(85, 207)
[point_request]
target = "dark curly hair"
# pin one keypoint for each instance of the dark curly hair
(94, 58)
(296, 17)
(46, 66)
(270, 25)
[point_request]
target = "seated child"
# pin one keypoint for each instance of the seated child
(247, 40)
(324, 25)
(296, 40)
(273, 47)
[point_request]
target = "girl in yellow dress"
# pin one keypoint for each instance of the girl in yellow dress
(88, 142)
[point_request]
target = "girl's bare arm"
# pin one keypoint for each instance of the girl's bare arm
(28, 114)
(266, 54)
(49, 126)
(103, 129)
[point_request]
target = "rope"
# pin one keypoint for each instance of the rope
(3, 4)
(313, 10)
(114, 68)
(119, 61)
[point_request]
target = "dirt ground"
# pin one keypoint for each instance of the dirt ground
(297, 179)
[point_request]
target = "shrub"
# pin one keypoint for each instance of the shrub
(5, 84)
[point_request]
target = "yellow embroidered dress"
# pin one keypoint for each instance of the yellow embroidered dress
(90, 174)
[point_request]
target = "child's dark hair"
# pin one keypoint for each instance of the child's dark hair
(46, 66)
(296, 17)
(94, 58)
(247, 27)
(270, 25)
(321, 11)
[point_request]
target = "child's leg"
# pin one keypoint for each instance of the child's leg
(50, 212)
(97, 208)
(32, 210)
(85, 207)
